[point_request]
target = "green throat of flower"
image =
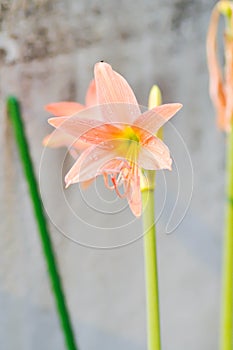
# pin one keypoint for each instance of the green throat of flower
(130, 145)
(130, 135)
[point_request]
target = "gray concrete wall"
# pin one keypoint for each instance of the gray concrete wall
(47, 53)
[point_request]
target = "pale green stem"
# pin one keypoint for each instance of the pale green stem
(227, 293)
(152, 294)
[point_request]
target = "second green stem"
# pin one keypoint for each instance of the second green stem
(227, 293)
(152, 294)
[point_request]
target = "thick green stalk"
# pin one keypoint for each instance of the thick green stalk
(227, 293)
(152, 294)
(13, 109)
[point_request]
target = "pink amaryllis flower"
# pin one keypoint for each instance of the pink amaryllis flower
(221, 82)
(121, 138)
(59, 138)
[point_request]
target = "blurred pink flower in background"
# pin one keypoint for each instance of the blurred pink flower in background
(221, 82)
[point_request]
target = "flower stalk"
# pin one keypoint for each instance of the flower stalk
(150, 251)
(14, 113)
(227, 291)
(152, 293)
(122, 147)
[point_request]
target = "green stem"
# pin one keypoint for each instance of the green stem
(152, 294)
(227, 293)
(14, 113)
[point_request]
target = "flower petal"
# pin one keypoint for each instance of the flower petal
(134, 196)
(154, 155)
(111, 86)
(85, 130)
(91, 163)
(73, 126)
(57, 139)
(135, 201)
(152, 120)
(78, 124)
(101, 133)
(60, 109)
(113, 90)
(91, 97)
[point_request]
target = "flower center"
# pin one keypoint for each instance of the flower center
(128, 146)
(129, 134)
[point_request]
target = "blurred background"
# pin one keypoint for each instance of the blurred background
(48, 49)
